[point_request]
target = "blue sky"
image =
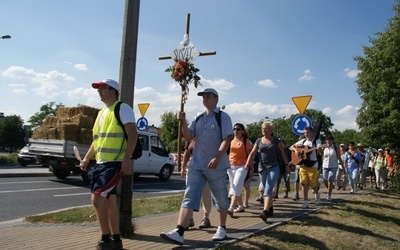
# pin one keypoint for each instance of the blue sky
(268, 51)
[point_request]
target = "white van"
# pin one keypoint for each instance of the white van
(155, 158)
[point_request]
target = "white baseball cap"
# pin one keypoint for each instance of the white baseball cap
(208, 91)
(110, 82)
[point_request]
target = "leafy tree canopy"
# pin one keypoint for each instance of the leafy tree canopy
(169, 130)
(283, 126)
(347, 136)
(12, 133)
(379, 86)
(48, 109)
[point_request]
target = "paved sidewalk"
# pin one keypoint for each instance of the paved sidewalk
(21, 235)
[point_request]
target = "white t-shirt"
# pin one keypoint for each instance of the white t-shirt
(126, 114)
(313, 154)
(330, 158)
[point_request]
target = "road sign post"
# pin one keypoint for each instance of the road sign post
(299, 123)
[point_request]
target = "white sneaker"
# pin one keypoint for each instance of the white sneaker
(305, 204)
(239, 209)
(173, 237)
(352, 191)
(317, 199)
(220, 234)
(230, 211)
(328, 198)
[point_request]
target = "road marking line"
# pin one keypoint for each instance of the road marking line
(35, 190)
(63, 195)
(22, 182)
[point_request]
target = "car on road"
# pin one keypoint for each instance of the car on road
(156, 158)
(25, 159)
(5, 149)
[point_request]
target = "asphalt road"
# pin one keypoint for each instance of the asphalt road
(30, 195)
(24, 196)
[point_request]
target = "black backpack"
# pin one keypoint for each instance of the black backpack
(137, 153)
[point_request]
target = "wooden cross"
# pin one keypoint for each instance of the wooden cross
(183, 94)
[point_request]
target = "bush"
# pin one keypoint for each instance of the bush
(11, 158)
(396, 181)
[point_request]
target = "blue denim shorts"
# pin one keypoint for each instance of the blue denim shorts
(269, 177)
(329, 174)
(196, 180)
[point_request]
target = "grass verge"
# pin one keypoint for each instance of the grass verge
(142, 207)
(369, 221)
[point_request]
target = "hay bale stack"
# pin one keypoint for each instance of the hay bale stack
(73, 111)
(70, 123)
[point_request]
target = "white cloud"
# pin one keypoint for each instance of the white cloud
(220, 85)
(20, 91)
(267, 83)
(17, 72)
(351, 73)
(328, 111)
(16, 85)
(348, 110)
(249, 112)
(81, 66)
(48, 83)
(343, 118)
(307, 76)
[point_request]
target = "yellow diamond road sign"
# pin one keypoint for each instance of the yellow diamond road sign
(143, 108)
(301, 102)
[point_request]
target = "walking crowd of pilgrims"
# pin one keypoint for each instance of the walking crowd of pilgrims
(217, 149)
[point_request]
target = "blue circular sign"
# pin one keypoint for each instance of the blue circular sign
(299, 123)
(142, 124)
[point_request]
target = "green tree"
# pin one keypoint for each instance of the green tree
(254, 130)
(347, 136)
(169, 130)
(379, 86)
(49, 109)
(12, 133)
(283, 126)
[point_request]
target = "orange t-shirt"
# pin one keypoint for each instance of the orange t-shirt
(238, 153)
(389, 159)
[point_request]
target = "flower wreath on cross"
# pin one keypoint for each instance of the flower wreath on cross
(184, 73)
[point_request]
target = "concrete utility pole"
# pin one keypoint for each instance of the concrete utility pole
(127, 81)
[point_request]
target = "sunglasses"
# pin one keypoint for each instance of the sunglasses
(105, 87)
(237, 129)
